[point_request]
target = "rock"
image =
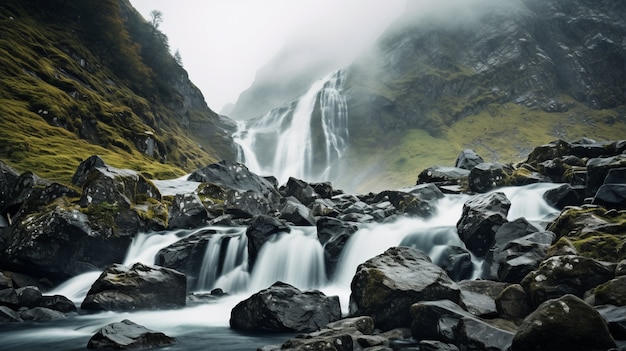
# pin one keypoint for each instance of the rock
(8, 297)
(616, 176)
(468, 159)
(513, 302)
(135, 288)
(562, 275)
(566, 323)
(477, 335)
(487, 176)
(611, 196)
(300, 190)
(612, 292)
(187, 212)
(426, 192)
(28, 296)
(246, 204)
(41, 314)
(186, 255)
(296, 213)
(333, 234)
(550, 151)
(437, 320)
(481, 218)
(598, 169)
(385, 286)
(478, 297)
(8, 179)
(457, 262)
(5, 282)
(433, 345)
(128, 335)
(621, 268)
(323, 208)
(284, 308)
(260, 230)
(363, 324)
(615, 317)
(443, 175)
(565, 195)
(406, 203)
(236, 176)
(521, 256)
(556, 170)
(57, 303)
(324, 190)
(330, 341)
(7, 315)
(85, 167)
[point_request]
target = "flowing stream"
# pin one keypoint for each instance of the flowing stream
(296, 258)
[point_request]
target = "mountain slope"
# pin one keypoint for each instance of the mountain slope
(82, 78)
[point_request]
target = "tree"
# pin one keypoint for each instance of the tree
(178, 58)
(156, 19)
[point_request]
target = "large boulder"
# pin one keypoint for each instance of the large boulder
(128, 335)
(566, 323)
(385, 286)
(300, 190)
(138, 287)
(565, 195)
(333, 234)
(598, 169)
(487, 176)
(296, 213)
(479, 296)
(406, 203)
(246, 204)
(457, 262)
(611, 196)
(468, 159)
(260, 230)
(443, 175)
(612, 292)
(284, 308)
(521, 256)
(236, 176)
(562, 275)
(482, 216)
(186, 212)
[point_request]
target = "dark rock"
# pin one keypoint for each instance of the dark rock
(550, 151)
(40, 196)
(611, 196)
(5, 282)
(24, 187)
(246, 204)
(333, 234)
(406, 203)
(481, 218)
(186, 212)
(562, 275)
(621, 268)
(433, 345)
(556, 170)
(443, 175)
(598, 169)
(426, 192)
(385, 286)
(521, 256)
(323, 208)
(616, 319)
(300, 190)
(324, 189)
(616, 176)
(612, 292)
(8, 297)
(513, 302)
(468, 159)
(477, 335)
(58, 303)
(565, 195)
(589, 148)
(296, 213)
(84, 168)
(135, 288)
(7, 315)
(41, 314)
(128, 335)
(186, 255)
(437, 320)
(328, 341)
(28, 296)
(262, 229)
(478, 297)
(566, 323)
(363, 324)
(457, 262)
(488, 176)
(284, 308)
(236, 176)
(8, 179)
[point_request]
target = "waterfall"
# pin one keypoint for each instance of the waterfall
(303, 139)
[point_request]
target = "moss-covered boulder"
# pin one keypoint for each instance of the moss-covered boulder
(384, 287)
(487, 176)
(566, 323)
(612, 292)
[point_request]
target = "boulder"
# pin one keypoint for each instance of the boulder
(477, 335)
(612, 196)
(565, 323)
(246, 204)
(7, 315)
(41, 314)
(236, 176)
(363, 324)
(615, 317)
(57, 303)
(479, 297)
(327, 340)
(406, 203)
(333, 234)
(443, 175)
(8, 297)
(5, 282)
(137, 287)
(187, 212)
(260, 230)
(284, 308)
(28, 296)
(434, 345)
(612, 292)
(385, 286)
(468, 159)
(562, 275)
(487, 176)
(296, 213)
(513, 302)
(324, 190)
(565, 195)
(8, 179)
(556, 170)
(457, 262)
(550, 151)
(521, 256)
(598, 169)
(300, 190)
(621, 268)
(426, 192)
(128, 335)
(323, 208)
(482, 216)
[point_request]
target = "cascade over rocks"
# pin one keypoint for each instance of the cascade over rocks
(137, 287)
(481, 218)
(457, 262)
(284, 308)
(128, 335)
(333, 234)
(385, 286)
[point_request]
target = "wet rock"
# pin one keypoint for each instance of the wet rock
(333, 234)
(615, 317)
(8, 178)
(128, 335)
(611, 196)
(521, 256)
(328, 341)
(57, 303)
(598, 169)
(565, 195)
(8, 297)
(284, 308)
(442, 175)
(437, 320)
(385, 286)
(5, 282)
(406, 203)
(324, 189)
(299, 190)
(556, 170)
(426, 192)
(479, 297)
(487, 176)
(7, 315)
(621, 268)
(246, 204)
(41, 314)
(566, 323)
(260, 230)
(513, 302)
(85, 167)
(562, 275)
(323, 208)
(236, 176)
(457, 262)
(186, 212)
(363, 324)
(433, 345)
(482, 216)
(135, 288)
(28, 296)
(612, 292)
(468, 159)
(296, 213)
(477, 335)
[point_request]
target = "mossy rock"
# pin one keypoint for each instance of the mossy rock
(612, 292)
(603, 247)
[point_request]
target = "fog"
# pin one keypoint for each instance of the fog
(224, 44)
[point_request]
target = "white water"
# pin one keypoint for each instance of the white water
(282, 143)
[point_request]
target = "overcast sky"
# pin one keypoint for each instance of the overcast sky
(224, 42)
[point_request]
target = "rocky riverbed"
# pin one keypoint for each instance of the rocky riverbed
(501, 283)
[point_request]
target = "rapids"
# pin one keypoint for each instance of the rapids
(295, 257)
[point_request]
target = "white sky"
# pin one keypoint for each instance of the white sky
(224, 42)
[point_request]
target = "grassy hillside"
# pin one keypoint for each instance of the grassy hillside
(82, 78)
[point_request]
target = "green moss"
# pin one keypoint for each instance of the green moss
(604, 247)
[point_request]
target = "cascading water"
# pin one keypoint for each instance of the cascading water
(303, 139)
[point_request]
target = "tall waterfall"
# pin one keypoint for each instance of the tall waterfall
(303, 139)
